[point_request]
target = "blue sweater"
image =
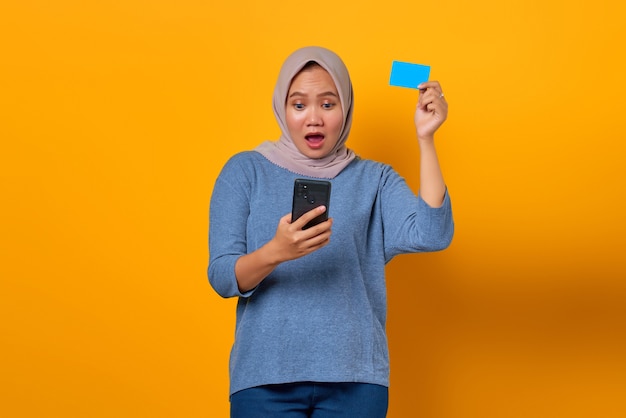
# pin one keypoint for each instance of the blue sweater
(320, 317)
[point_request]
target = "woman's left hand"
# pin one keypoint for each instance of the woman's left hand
(431, 111)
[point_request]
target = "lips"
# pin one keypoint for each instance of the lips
(314, 139)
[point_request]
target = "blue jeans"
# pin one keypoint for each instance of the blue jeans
(311, 400)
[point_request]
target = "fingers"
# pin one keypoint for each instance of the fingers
(430, 95)
(431, 110)
(431, 99)
(286, 219)
(309, 216)
(430, 85)
(319, 239)
(315, 235)
(295, 242)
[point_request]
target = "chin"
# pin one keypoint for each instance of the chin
(311, 153)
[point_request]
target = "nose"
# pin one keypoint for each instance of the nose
(314, 118)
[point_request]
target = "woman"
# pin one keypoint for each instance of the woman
(310, 330)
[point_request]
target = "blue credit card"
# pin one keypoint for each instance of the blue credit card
(405, 74)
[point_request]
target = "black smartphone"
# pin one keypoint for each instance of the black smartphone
(309, 194)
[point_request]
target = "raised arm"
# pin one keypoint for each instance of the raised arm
(431, 112)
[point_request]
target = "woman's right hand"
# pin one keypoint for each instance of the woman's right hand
(291, 241)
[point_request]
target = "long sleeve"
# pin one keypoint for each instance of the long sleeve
(229, 212)
(320, 317)
(410, 224)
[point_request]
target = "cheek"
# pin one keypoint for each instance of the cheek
(337, 122)
(293, 119)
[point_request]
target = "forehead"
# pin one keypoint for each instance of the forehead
(311, 78)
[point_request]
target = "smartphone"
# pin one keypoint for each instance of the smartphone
(307, 195)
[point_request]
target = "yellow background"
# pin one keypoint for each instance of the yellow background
(116, 116)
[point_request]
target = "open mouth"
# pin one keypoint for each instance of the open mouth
(314, 140)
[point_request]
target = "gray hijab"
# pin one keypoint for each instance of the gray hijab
(284, 152)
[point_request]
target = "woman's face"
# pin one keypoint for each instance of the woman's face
(313, 112)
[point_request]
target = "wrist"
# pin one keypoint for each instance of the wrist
(425, 140)
(271, 254)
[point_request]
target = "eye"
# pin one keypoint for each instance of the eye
(328, 105)
(298, 106)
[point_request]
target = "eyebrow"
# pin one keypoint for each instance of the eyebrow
(300, 94)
